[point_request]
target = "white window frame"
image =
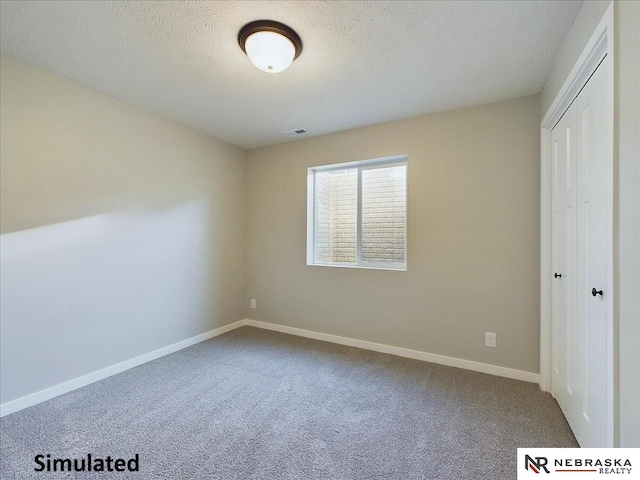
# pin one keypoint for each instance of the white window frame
(396, 160)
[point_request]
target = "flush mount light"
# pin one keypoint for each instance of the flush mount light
(271, 46)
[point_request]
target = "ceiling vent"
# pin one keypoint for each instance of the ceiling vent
(295, 133)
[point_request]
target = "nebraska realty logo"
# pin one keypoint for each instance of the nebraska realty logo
(580, 462)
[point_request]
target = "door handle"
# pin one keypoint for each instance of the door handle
(595, 292)
(557, 275)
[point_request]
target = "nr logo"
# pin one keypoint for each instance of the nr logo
(537, 465)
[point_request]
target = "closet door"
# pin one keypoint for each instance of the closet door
(590, 365)
(563, 256)
(579, 246)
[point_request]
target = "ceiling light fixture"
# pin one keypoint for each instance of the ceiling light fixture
(271, 46)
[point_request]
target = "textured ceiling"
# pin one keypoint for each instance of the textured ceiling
(363, 62)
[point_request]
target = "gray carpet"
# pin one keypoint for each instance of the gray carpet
(254, 404)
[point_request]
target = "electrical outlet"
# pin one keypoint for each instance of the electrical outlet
(253, 303)
(489, 339)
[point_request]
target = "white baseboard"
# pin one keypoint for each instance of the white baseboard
(402, 352)
(62, 388)
(48, 393)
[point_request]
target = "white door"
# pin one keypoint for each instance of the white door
(579, 253)
(563, 255)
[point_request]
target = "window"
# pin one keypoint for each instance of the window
(357, 214)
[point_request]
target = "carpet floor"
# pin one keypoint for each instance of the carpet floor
(255, 404)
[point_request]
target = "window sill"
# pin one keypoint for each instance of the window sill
(361, 267)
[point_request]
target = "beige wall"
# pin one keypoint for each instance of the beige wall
(122, 231)
(473, 237)
(627, 118)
